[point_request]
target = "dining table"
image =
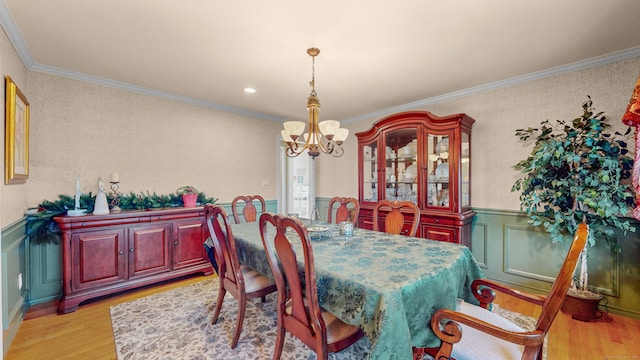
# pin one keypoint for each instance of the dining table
(388, 285)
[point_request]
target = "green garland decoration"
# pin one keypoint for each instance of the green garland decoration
(41, 228)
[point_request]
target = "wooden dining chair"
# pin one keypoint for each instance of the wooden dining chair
(249, 210)
(394, 220)
(344, 211)
(239, 280)
(299, 311)
(474, 332)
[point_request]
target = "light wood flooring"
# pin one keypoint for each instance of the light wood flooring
(86, 333)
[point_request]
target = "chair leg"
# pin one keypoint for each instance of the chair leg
(277, 352)
(221, 293)
(242, 305)
(322, 354)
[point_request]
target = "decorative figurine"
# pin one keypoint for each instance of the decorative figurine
(101, 206)
(77, 211)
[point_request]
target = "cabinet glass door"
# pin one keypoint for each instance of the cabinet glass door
(370, 172)
(464, 168)
(438, 170)
(401, 165)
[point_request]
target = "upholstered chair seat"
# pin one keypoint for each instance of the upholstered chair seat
(478, 345)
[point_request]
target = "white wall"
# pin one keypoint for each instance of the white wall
(495, 148)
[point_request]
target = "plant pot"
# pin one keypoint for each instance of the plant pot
(583, 308)
(189, 200)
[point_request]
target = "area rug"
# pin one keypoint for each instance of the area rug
(175, 324)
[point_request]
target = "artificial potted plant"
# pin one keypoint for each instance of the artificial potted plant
(189, 195)
(576, 173)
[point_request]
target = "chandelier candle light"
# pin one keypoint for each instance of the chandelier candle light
(326, 136)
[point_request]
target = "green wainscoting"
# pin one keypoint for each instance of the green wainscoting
(513, 252)
(15, 285)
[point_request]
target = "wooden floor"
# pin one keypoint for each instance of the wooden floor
(86, 333)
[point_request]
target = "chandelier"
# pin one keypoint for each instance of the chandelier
(326, 136)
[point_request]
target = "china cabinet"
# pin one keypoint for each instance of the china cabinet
(104, 254)
(423, 158)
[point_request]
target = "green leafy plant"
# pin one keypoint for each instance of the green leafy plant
(41, 228)
(576, 173)
(187, 189)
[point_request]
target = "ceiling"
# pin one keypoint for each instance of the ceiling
(376, 56)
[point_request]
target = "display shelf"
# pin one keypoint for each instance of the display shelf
(423, 158)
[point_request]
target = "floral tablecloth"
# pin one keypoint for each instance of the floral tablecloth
(388, 285)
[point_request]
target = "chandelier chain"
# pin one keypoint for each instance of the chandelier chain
(313, 75)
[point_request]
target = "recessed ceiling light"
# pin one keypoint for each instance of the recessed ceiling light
(249, 90)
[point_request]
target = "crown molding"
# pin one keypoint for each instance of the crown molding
(151, 92)
(9, 26)
(579, 65)
(7, 23)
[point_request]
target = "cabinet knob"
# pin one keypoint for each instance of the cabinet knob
(131, 250)
(437, 220)
(175, 243)
(121, 252)
(84, 224)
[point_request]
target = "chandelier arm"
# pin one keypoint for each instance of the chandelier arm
(292, 153)
(326, 148)
(338, 151)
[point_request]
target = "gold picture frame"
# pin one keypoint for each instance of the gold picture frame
(16, 135)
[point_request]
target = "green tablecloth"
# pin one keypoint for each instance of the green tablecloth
(388, 285)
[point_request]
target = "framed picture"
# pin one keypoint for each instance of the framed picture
(16, 135)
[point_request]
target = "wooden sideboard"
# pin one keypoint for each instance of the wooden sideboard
(104, 254)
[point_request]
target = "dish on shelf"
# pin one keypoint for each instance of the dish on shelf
(413, 146)
(411, 172)
(443, 145)
(442, 172)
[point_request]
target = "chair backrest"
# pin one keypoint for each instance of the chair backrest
(344, 212)
(304, 320)
(223, 242)
(394, 220)
(249, 210)
(562, 282)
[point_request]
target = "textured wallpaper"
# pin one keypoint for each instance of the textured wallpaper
(13, 197)
(495, 149)
(154, 144)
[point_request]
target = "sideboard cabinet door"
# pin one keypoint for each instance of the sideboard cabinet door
(99, 258)
(187, 244)
(148, 249)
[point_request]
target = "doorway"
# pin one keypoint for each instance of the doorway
(297, 184)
